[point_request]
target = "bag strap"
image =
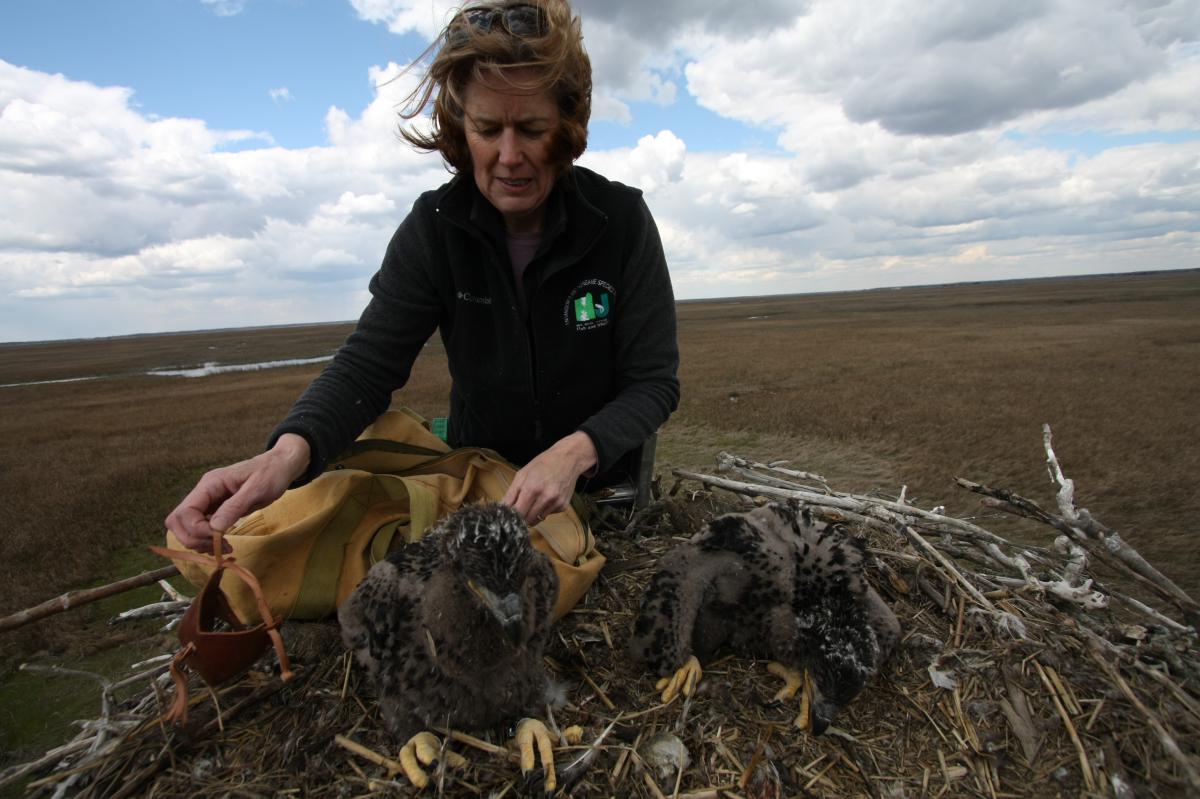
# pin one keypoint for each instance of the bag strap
(317, 594)
(362, 445)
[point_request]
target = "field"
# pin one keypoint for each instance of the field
(875, 390)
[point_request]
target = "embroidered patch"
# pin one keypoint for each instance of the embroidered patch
(589, 305)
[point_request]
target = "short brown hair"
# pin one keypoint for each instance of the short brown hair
(466, 50)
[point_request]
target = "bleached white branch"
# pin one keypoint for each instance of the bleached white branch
(152, 611)
(1085, 528)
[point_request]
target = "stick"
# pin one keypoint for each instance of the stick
(945, 563)
(1082, 521)
(1107, 546)
(73, 599)
(14, 773)
(392, 766)
(1164, 737)
(884, 510)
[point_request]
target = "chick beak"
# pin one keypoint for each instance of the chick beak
(823, 714)
(506, 610)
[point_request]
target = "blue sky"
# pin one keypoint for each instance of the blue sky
(184, 59)
(178, 164)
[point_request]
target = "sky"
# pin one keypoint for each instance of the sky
(191, 164)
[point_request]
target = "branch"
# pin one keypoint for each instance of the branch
(885, 510)
(74, 599)
(1089, 528)
(753, 470)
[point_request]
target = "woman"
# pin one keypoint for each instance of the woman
(547, 282)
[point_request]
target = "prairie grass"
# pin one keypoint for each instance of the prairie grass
(957, 381)
(874, 389)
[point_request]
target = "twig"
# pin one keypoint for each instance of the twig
(74, 599)
(393, 767)
(881, 509)
(153, 610)
(945, 563)
(1082, 521)
(1109, 547)
(1168, 742)
(14, 773)
(1085, 765)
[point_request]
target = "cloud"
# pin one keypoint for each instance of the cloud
(282, 94)
(656, 161)
(666, 19)
(425, 17)
(96, 198)
(225, 8)
(911, 148)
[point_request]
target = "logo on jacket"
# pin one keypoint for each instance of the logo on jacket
(466, 296)
(587, 309)
(589, 305)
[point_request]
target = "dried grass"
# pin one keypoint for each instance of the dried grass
(1076, 707)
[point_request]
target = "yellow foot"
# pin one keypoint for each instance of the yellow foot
(530, 732)
(804, 719)
(681, 682)
(792, 680)
(422, 750)
(795, 681)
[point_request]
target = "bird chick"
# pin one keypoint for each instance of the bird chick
(769, 583)
(451, 629)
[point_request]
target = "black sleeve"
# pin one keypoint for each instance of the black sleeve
(376, 359)
(647, 350)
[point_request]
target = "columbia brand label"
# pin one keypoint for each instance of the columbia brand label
(464, 296)
(589, 305)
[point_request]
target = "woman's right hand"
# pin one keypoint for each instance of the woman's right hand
(227, 494)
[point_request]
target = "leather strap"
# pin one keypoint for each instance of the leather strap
(219, 655)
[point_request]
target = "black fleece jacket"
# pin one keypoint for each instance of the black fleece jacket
(596, 352)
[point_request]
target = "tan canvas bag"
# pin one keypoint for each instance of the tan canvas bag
(312, 546)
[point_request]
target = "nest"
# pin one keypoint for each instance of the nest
(1019, 674)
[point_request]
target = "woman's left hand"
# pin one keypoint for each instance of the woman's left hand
(545, 484)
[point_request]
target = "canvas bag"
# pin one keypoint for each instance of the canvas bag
(312, 546)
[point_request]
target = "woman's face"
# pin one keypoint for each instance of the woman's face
(509, 135)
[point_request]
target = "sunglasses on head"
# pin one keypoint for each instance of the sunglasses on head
(521, 20)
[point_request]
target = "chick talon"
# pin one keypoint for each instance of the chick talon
(792, 679)
(529, 733)
(420, 750)
(804, 720)
(683, 681)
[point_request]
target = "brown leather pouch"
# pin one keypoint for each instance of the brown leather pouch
(218, 655)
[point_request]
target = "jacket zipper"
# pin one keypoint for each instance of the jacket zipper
(479, 236)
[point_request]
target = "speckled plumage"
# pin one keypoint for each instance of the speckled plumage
(438, 652)
(770, 583)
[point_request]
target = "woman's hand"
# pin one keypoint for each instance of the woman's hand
(227, 494)
(545, 484)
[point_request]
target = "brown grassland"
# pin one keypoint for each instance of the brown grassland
(874, 390)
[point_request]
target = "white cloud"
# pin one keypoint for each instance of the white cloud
(225, 8)
(97, 198)
(282, 94)
(426, 17)
(656, 161)
(910, 150)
